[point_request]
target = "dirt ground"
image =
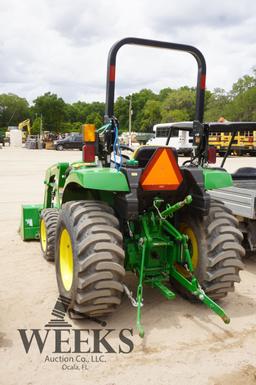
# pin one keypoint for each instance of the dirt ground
(184, 343)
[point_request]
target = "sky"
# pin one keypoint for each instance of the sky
(61, 46)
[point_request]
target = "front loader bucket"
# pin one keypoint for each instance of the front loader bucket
(30, 217)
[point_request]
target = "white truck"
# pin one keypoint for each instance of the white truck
(179, 139)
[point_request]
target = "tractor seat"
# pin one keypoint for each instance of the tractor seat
(244, 173)
(144, 153)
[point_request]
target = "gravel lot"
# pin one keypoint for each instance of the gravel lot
(184, 343)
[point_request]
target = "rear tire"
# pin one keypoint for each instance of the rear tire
(94, 286)
(219, 251)
(48, 223)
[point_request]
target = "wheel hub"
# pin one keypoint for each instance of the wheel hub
(66, 260)
(193, 248)
(43, 235)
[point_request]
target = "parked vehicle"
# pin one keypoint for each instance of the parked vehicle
(244, 142)
(70, 142)
(240, 198)
(179, 139)
(25, 127)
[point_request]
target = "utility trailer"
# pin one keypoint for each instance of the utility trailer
(241, 197)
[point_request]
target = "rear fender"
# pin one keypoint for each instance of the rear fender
(216, 178)
(94, 183)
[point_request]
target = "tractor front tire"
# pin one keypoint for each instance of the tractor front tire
(48, 223)
(89, 257)
(216, 250)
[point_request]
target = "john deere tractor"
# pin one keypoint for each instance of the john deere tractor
(113, 212)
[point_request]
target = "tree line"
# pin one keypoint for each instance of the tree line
(148, 107)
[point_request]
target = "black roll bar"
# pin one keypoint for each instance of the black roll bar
(111, 70)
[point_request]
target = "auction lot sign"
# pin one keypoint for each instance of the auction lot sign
(73, 348)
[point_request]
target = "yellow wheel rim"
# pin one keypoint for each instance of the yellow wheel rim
(43, 235)
(193, 246)
(66, 260)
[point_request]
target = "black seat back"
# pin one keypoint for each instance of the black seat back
(145, 153)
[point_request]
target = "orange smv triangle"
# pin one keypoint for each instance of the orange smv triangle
(162, 172)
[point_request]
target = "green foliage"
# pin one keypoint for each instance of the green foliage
(216, 106)
(243, 84)
(52, 108)
(149, 108)
(151, 114)
(2, 133)
(71, 127)
(179, 103)
(79, 111)
(139, 100)
(164, 93)
(36, 126)
(13, 110)
(95, 118)
(175, 116)
(121, 110)
(243, 106)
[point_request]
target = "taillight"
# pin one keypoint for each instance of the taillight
(89, 132)
(89, 153)
(90, 143)
(250, 139)
(212, 155)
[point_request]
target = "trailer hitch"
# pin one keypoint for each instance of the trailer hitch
(157, 279)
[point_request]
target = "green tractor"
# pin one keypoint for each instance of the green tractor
(111, 213)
